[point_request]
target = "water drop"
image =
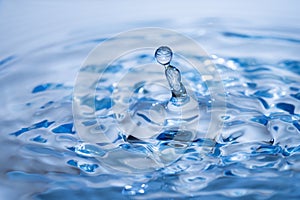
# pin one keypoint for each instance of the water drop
(163, 56)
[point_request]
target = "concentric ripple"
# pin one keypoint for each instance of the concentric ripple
(256, 156)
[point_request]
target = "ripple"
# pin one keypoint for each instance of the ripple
(41, 124)
(259, 37)
(64, 128)
(49, 86)
(255, 157)
(7, 60)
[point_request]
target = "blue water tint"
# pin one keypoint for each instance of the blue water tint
(42, 124)
(255, 155)
(89, 123)
(286, 118)
(43, 87)
(166, 136)
(260, 119)
(131, 139)
(23, 175)
(292, 65)
(263, 93)
(104, 103)
(49, 86)
(252, 85)
(113, 68)
(47, 104)
(259, 37)
(7, 60)
(134, 148)
(109, 88)
(264, 103)
(297, 95)
(245, 62)
(144, 58)
(90, 41)
(267, 149)
(258, 69)
(294, 89)
(130, 190)
(286, 107)
(84, 167)
(64, 128)
(41, 150)
(297, 124)
(86, 150)
(291, 150)
(72, 163)
(233, 137)
(88, 167)
(39, 139)
(234, 123)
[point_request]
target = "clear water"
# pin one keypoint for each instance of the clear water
(256, 156)
(140, 120)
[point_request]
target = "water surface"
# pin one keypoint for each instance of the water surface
(257, 155)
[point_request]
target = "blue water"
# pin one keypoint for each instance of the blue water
(256, 156)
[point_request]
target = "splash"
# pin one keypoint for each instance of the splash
(163, 56)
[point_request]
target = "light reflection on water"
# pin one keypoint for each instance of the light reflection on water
(256, 157)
